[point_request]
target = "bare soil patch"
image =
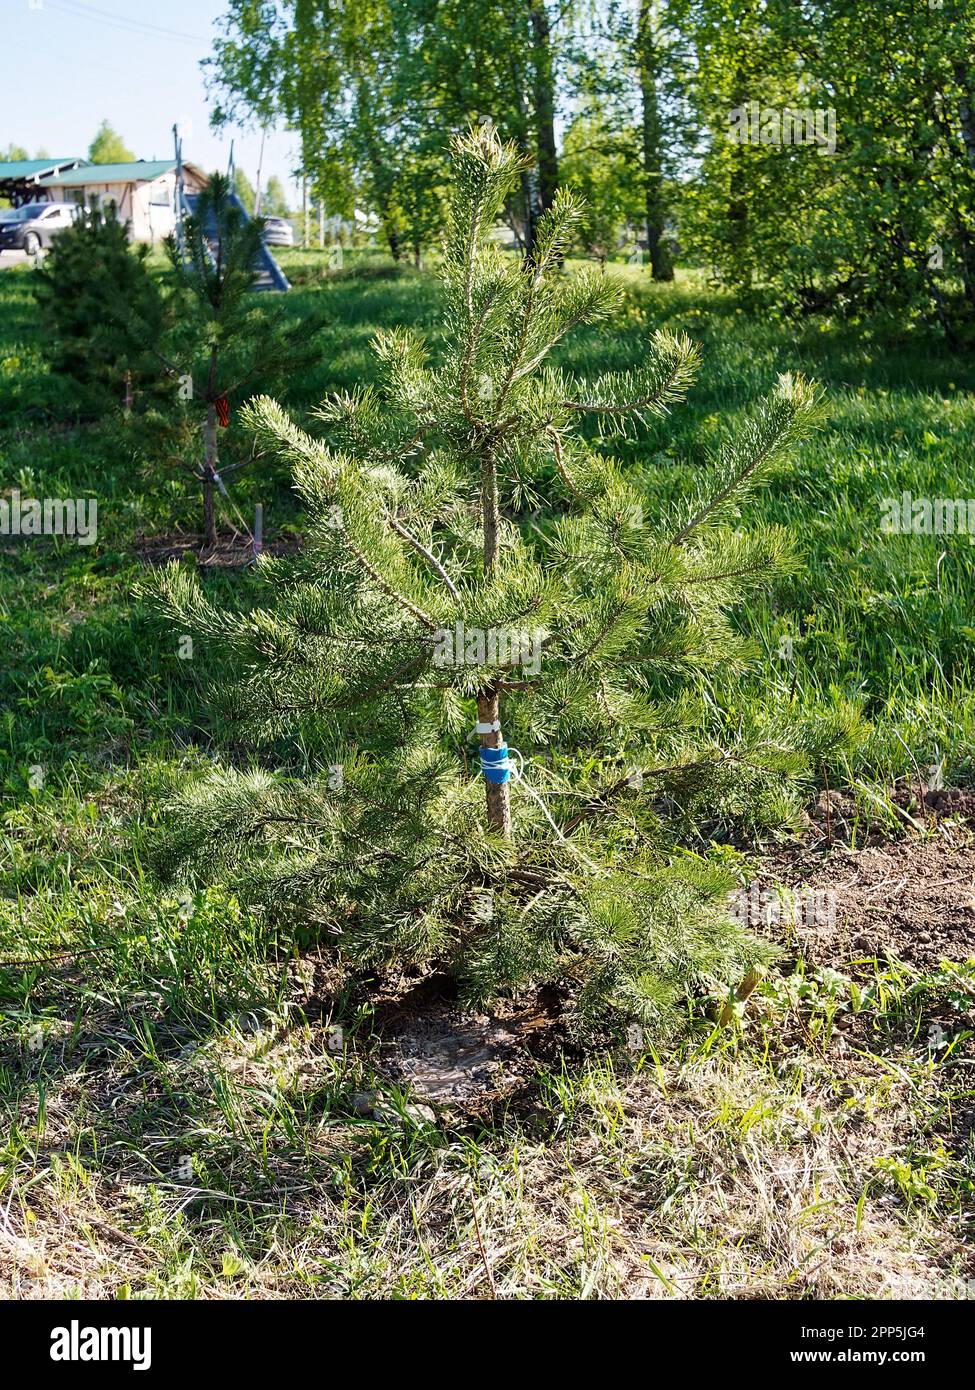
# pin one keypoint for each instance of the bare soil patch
(912, 899)
(449, 1058)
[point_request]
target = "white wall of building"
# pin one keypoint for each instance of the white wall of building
(147, 206)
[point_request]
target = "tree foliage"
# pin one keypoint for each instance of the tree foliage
(376, 88)
(100, 309)
(881, 219)
(885, 219)
(108, 147)
(602, 165)
(426, 606)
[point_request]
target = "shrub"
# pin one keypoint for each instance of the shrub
(101, 312)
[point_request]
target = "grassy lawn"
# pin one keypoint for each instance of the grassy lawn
(176, 1119)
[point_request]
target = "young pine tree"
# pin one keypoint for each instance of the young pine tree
(224, 344)
(90, 269)
(424, 607)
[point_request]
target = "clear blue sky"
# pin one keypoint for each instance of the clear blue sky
(69, 64)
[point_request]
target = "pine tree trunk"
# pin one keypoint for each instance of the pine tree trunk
(210, 455)
(490, 511)
(489, 699)
(209, 471)
(498, 798)
(648, 63)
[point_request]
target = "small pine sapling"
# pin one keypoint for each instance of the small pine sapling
(224, 345)
(425, 604)
(99, 307)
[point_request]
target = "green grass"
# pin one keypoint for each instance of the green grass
(175, 1123)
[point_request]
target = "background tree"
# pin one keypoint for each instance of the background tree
(108, 147)
(649, 49)
(299, 63)
(274, 199)
(728, 212)
(884, 221)
(99, 310)
(632, 77)
(502, 63)
(418, 200)
(245, 191)
(12, 155)
(423, 606)
(601, 162)
(375, 86)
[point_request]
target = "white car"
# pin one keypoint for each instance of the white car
(278, 231)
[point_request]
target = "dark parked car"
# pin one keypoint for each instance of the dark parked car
(34, 226)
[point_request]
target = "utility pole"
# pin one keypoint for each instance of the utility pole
(260, 167)
(178, 190)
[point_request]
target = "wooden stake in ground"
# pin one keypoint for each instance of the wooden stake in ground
(209, 477)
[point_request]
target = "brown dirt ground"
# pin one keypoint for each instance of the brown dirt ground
(912, 899)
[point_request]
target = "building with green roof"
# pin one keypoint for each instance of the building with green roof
(19, 178)
(143, 192)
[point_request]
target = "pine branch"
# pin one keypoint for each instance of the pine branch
(789, 416)
(663, 382)
(427, 555)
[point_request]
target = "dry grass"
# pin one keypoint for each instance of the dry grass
(745, 1168)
